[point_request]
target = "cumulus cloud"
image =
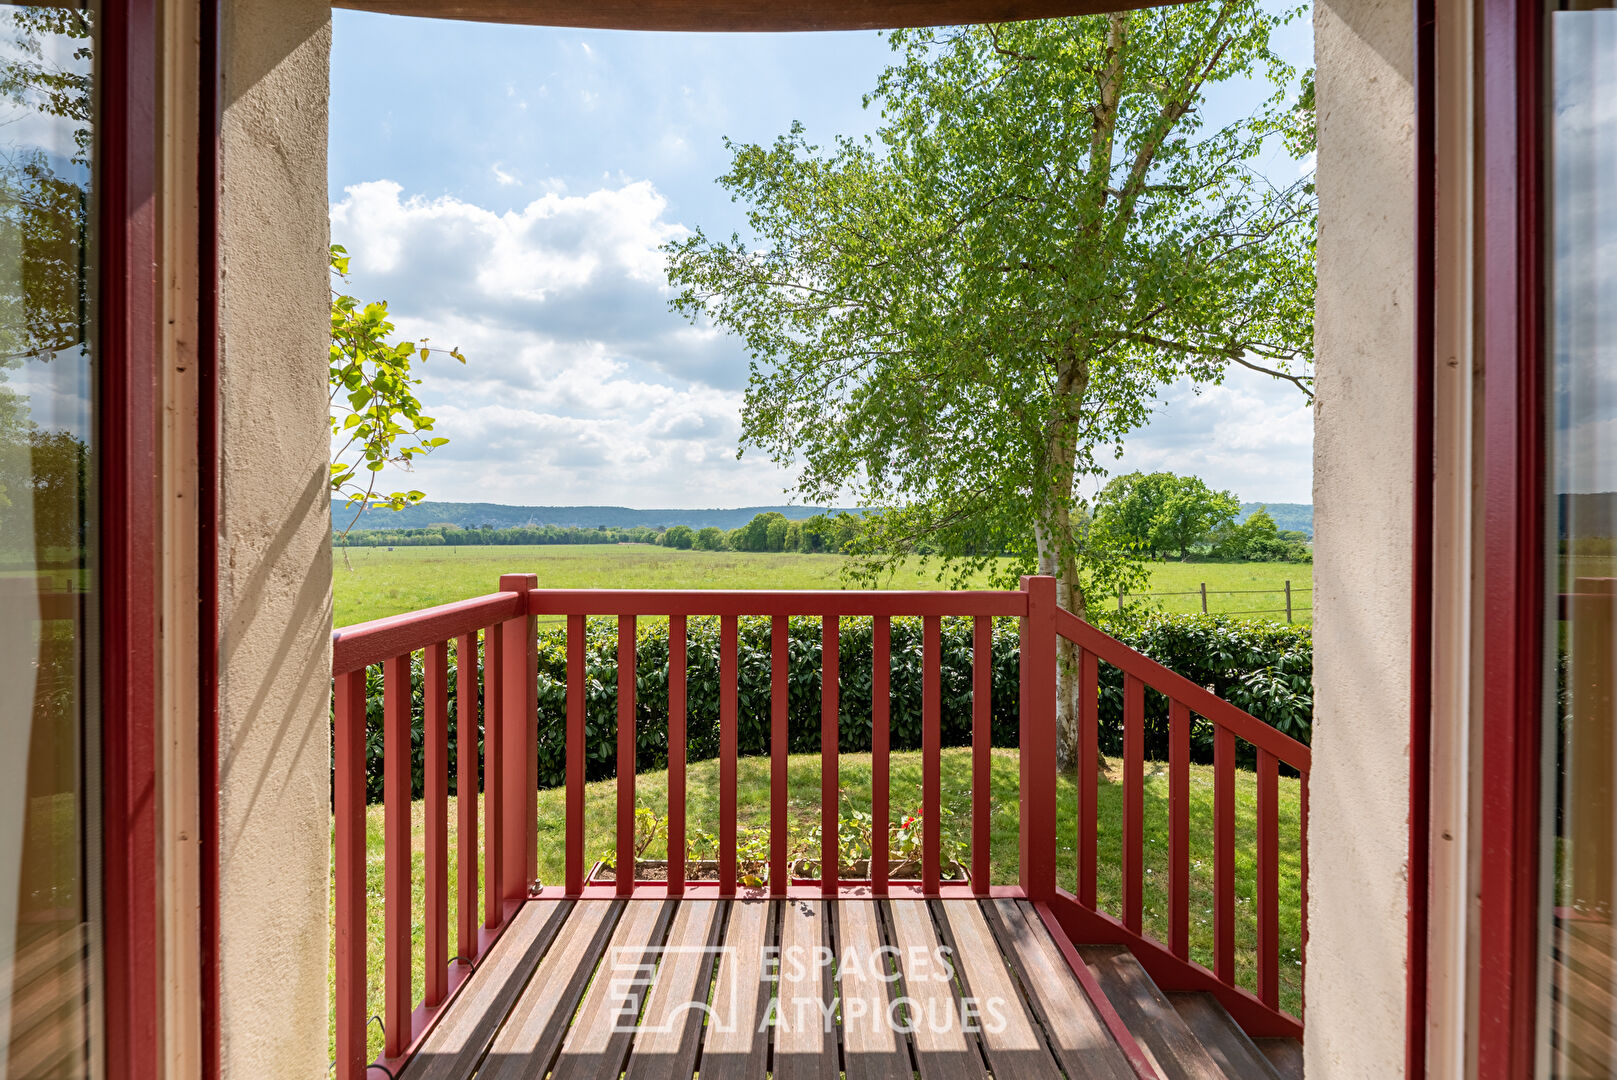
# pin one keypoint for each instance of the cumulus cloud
(581, 386)
(1252, 435)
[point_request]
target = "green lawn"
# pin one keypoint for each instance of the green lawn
(378, 582)
(804, 786)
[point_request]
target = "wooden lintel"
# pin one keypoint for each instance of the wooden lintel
(739, 15)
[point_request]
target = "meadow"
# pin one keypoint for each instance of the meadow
(376, 582)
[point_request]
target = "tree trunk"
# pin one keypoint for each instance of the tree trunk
(1057, 556)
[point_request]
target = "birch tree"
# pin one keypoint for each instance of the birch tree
(960, 319)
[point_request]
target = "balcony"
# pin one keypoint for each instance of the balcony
(768, 964)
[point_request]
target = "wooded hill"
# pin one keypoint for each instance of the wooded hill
(1288, 516)
(498, 516)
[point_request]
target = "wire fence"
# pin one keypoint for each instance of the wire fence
(1292, 606)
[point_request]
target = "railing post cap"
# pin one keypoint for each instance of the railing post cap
(518, 582)
(1040, 583)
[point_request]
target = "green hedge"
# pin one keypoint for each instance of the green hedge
(1265, 668)
(753, 696)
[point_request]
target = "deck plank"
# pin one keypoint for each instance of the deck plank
(1165, 1038)
(1286, 1055)
(805, 1041)
(872, 1048)
(1221, 1037)
(458, 1042)
(938, 1029)
(736, 1042)
(1011, 1038)
(1077, 1035)
(671, 1030)
(599, 1040)
(537, 1022)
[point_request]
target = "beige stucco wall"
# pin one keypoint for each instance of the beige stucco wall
(275, 559)
(1363, 491)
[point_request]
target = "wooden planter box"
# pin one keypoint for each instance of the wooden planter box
(657, 870)
(906, 870)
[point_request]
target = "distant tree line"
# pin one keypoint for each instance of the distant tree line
(771, 531)
(1145, 516)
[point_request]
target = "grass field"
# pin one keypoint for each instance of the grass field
(854, 775)
(378, 582)
(1256, 587)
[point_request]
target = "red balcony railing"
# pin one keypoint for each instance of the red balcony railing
(509, 769)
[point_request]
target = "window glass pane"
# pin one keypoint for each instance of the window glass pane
(1581, 802)
(47, 585)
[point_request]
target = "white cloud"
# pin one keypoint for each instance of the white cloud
(504, 178)
(580, 386)
(1252, 434)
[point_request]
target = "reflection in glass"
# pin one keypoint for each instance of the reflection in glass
(1581, 803)
(47, 702)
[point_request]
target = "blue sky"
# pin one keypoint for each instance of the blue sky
(506, 189)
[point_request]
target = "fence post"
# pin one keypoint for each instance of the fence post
(1204, 598)
(1038, 739)
(1288, 600)
(519, 795)
(1119, 595)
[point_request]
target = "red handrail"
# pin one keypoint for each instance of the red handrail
(505, 621)
(356, 647)
(734, 603)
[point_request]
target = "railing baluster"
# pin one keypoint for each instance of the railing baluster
(830, 655)
(1179, 829)
(435, 813)
(396, 979)
(349, 806)
(881, 703)
(931, 749)
(626, 726)
(466, 761)
(780, 873)
(1224, 855)
(493, 784)
(576, 689)
(1133, 800)
(676, 754)
(1268, 880)
(982, 690)
(729, 675)
(1088, 774)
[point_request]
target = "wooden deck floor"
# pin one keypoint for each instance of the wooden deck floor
(737, 990)
(1583, 976)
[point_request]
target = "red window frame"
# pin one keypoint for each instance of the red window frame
(127, 363)
(1513, 431)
